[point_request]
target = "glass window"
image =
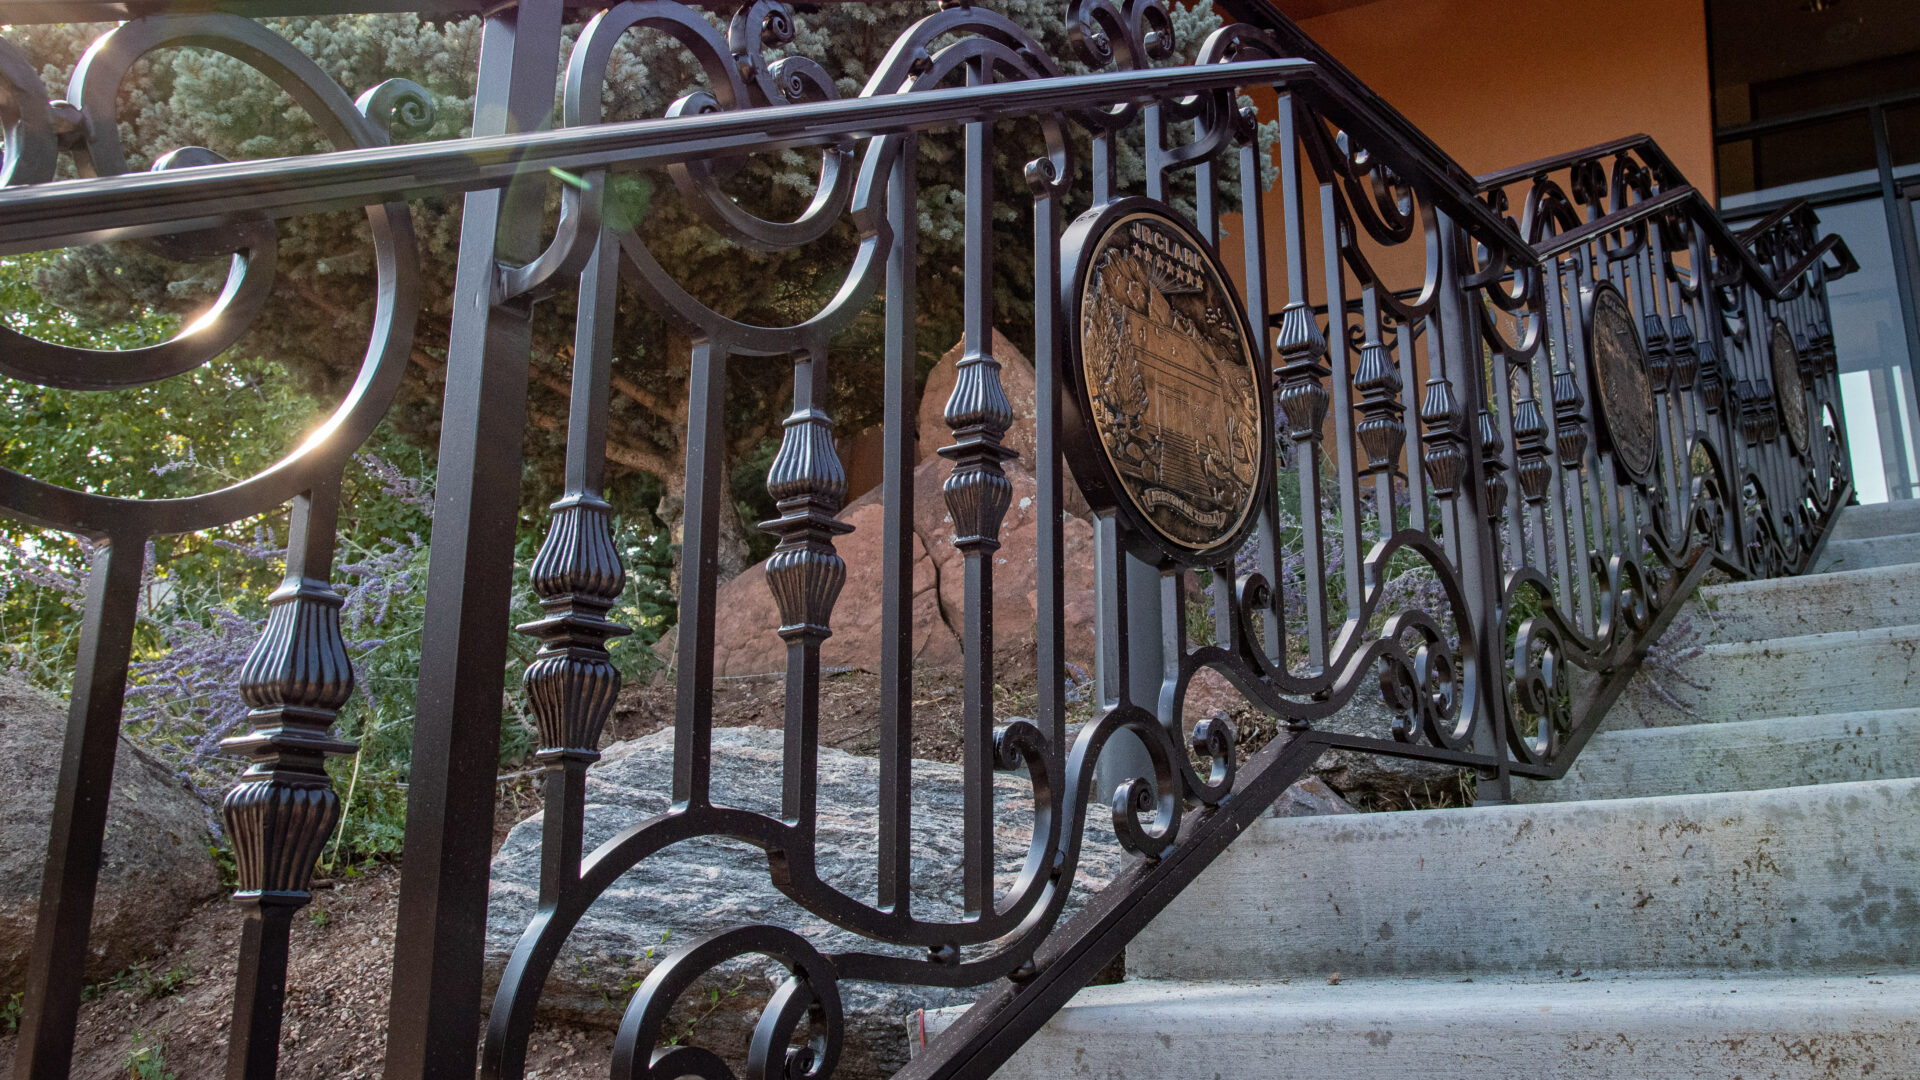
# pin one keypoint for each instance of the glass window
(1876, 379)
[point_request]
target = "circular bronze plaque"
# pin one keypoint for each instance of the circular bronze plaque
(1173, 424)
(1623, 387)
(1787, 386)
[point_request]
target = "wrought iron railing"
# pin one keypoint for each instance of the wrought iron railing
(1565, 392)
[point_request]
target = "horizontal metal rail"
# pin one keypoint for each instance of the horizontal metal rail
(94, 210)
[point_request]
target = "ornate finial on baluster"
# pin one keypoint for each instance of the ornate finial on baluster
(1303, 372)
(809, 486)
(1767, 410)
(1659, 353)
(1713, 383)
(1822, 335)
(1569, 425)
(1492, 468)
(1530, 450)
(1382, 432)
(1446, 455)
(1685, 351)
(1748, 396)
(571, 683)
(283, 809)
(978, 492)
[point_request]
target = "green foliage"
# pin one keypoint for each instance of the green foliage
(205, 593)
(148, 1060)
(141, 982)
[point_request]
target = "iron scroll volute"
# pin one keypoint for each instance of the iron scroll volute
(1169, 415)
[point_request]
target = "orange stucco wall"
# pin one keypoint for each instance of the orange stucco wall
(1499, 82)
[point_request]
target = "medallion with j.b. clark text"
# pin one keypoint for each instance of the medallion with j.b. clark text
(1171, 422)
(1788, 387)
(1622, 384)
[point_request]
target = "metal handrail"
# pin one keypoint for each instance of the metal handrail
(92, 210)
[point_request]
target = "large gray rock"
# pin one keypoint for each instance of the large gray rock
(155, 866)
(706, 885)
(1376, 781)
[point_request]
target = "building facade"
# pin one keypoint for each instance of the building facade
(1758, 102)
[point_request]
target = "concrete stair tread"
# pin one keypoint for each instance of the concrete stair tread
(1738, 755)
(1786, 1028)
(1878, 519)
(1781, 879)
(1818, 640)
(1807, 674)
(1869, 551)
(1810, 604)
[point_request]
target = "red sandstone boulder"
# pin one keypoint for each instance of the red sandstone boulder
(746, 641)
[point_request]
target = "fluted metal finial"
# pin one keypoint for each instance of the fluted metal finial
(296, 679)
(978, 491)
(1446, 455)
(1382, 432)
(1530, 450)
(1492, 467)
(1685, 351)
(1713, 384)
(572, 683)
(1659, 353)
(1303, 372)
(1570, 427)
(809, 485)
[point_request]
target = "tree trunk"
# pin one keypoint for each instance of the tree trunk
(732, 553)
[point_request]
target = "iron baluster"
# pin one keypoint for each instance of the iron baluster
(571, 683)
(1045, 184)
(977, 496)
(284, 808)
(438, 942)
(56, 968)
(901, 421)
(805, 574)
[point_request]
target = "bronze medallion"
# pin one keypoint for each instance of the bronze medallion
(1168, 385)
(1623, 387)
(1787, 387)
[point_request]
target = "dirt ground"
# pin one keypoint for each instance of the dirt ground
(180, 1003)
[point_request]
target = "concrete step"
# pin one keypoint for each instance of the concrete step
(1799, 1028)
(1807, 675)
(1750, 755)
(1869, 551)
(1789, 879)
(1813, 604)
(1878, 519)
